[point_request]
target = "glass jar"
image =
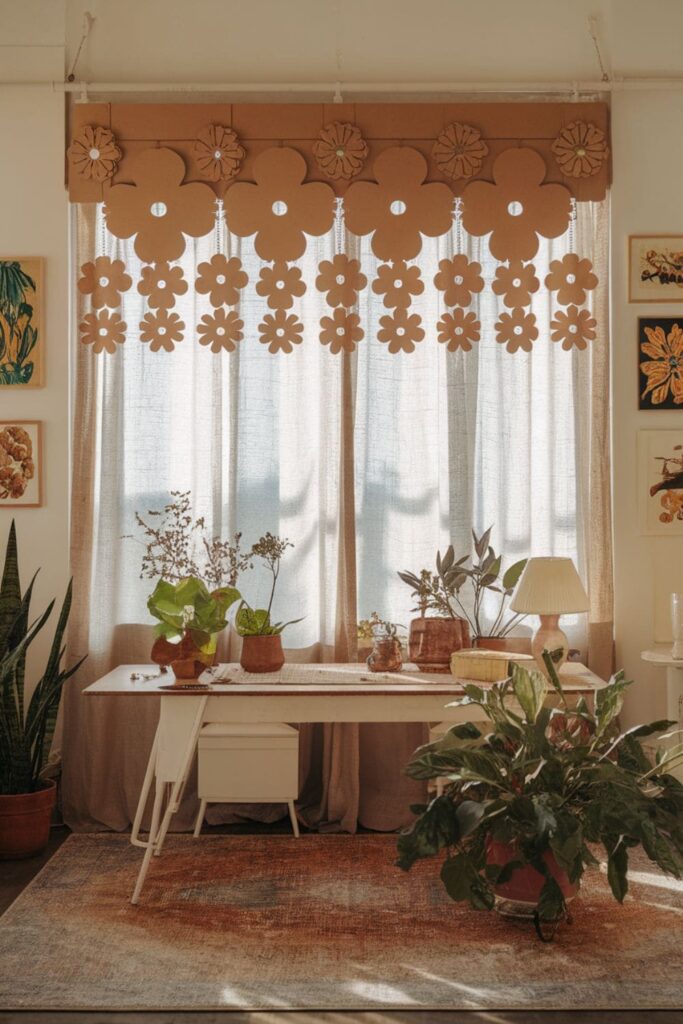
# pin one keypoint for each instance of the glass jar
(386, 654)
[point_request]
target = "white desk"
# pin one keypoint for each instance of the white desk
(297, 693)
(674, 690)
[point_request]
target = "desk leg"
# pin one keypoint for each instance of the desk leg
(142, 802)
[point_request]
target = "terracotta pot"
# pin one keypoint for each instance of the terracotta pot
(508, 644)
(526, 883)
(262, 653)
(185, 658)
(432, 641)
(25, 822)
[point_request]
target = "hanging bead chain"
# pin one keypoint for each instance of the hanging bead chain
(338, 227)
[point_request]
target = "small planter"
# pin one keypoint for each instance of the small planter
(433, 640)
(518, 897)
(262, 653)
(386, 655)
(185, 658)
(25, 822)
(508, 644)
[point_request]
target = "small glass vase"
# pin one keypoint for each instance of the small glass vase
(677, 626)
(386, 654)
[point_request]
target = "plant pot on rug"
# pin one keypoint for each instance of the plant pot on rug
(530, 797)
(261, 637)
(27, 799)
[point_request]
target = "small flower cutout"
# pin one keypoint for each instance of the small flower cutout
(161, 283)
(280, 331)
(341, 331)
(574, 328)
(221, 279)
(221, 330)
(103, 330)
(340, 151)
(516, 330)
(457, 330)
(103, 280)
(400, 331)
(571, 278)
(340, 279)
(580, 149)
(161, 330)
(280, 284)
(458, 279)
(516, 283)
(459, 151)
(218, 152)
(398, 282)
(94, 154)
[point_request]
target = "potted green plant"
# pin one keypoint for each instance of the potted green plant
(190, 620)
(261, 637)
(27, 798)
(459, 620)
(527, 799)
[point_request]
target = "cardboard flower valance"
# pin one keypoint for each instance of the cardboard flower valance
(93, 153)
(399, 206)
(516, 207)
(158, 208)
(279, 207)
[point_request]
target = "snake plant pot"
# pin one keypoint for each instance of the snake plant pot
(262, 653)
(185, 658)
(518, 897)
(507, 644)
(433, 640)
(25, 821)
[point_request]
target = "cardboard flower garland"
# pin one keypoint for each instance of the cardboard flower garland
(280, 208)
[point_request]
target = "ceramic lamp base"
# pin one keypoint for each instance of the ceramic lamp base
(549, 638)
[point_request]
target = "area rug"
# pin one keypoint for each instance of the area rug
(321, 922)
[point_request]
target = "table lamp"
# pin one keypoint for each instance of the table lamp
(549, 587)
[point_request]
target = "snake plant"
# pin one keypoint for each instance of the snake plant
(26, 729)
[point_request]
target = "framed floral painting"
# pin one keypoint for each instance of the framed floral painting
(21, 464)
(660, 482)
(660, 362)
(655, 268)
(21, 321)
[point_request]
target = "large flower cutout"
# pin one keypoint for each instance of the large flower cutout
(158, 209)
(161, 330)
(458, 279)
(280, 284)
(341, 331)
(516, 330)
(340, 151)
(664, 370)
(459, 151)
(580, 149)
(218, 152)
(574, 328)
(93, 153)
(103, 330)
(400, 331)
(399, 208)
(571, 278)
(457, 330)
(398, 282)
(279, 208)
(222, 330)
(516, 283)
(161, 283)
(104, 280)
(516, 208)
(280, 331)
(221, 279)
(340, 279)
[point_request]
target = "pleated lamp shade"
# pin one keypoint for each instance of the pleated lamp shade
(549, 586)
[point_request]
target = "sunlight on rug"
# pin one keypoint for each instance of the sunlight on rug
(324, 922)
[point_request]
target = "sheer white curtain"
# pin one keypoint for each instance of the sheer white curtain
(442, 443)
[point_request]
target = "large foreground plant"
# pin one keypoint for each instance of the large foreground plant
(544, 780)
(26, 732)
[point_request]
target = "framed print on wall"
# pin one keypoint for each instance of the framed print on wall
(660, 482)
(21, 464)
(655, 268)
(660, 362)
(21, 321)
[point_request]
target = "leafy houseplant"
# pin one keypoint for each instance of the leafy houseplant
(261, 637)
(190, 619)
(441, 593)
(525, 800)
(26, 729)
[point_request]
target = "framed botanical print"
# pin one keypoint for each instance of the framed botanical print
(21, 464)
(660, 482)
(660, 362)
(21, 321)
(655, 268)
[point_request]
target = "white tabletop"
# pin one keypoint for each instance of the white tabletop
(662, 656)
(312, 680)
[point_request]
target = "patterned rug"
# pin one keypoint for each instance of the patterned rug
(322, 922)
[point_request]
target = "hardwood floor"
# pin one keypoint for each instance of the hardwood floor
(16, 875)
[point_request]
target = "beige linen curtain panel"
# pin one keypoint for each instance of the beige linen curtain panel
(366, 460)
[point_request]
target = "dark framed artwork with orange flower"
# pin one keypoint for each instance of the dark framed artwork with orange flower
(21, 464)
(660, 362)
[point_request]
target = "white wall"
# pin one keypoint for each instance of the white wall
(312, 40)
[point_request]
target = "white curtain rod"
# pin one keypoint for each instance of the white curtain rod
(340, 91)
